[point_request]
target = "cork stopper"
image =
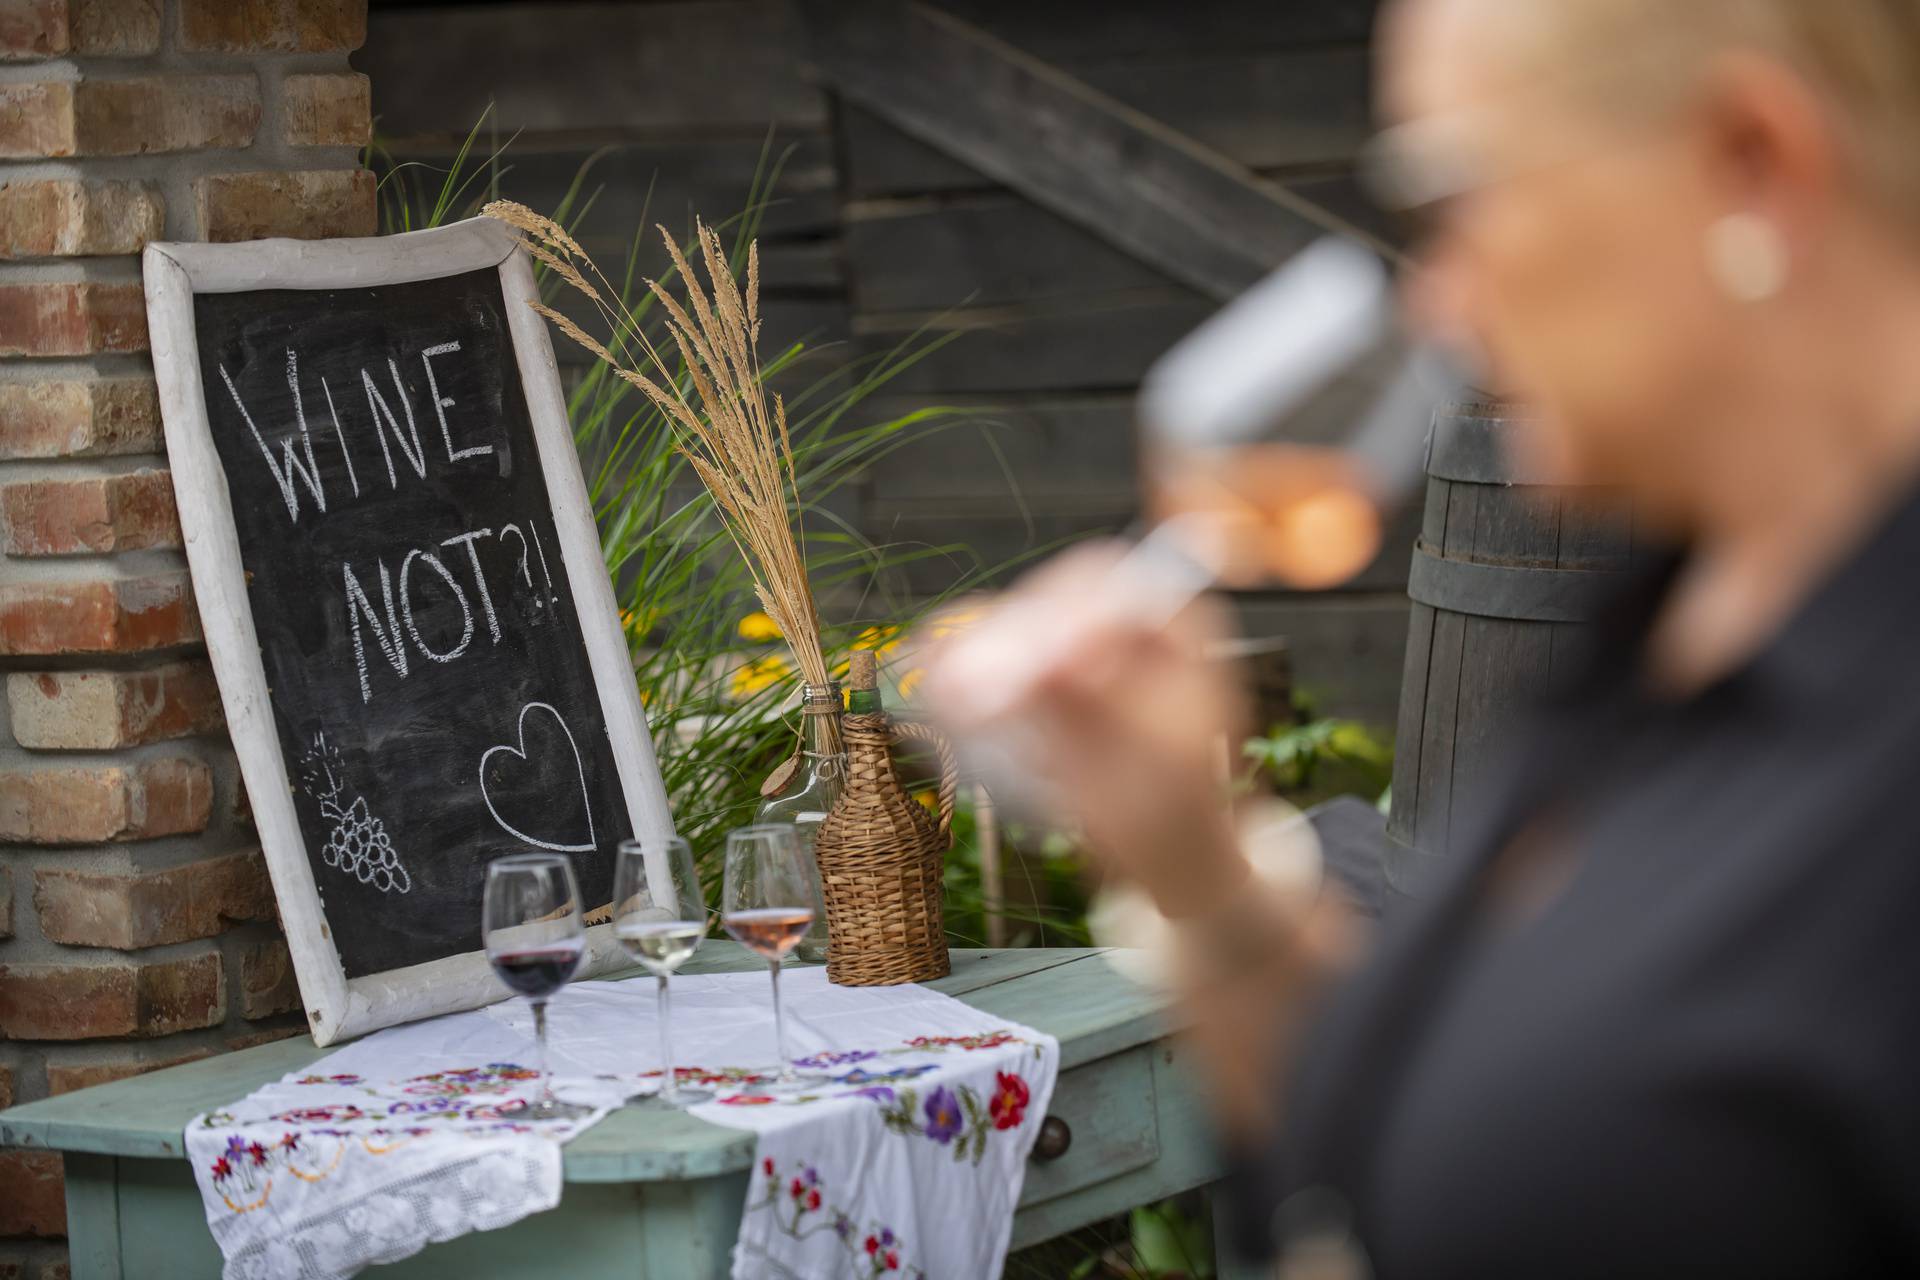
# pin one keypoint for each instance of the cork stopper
(862, 673)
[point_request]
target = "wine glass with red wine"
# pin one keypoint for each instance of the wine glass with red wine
(770, 894)
(660, 916)
(530, 922)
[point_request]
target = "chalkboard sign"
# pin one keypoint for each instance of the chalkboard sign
(403, 595)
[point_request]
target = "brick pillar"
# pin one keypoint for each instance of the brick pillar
(136, 923)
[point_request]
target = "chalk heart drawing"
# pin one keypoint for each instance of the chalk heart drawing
(516, 783)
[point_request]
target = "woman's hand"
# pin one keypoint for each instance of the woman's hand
(1120, 722)
(1123, 722)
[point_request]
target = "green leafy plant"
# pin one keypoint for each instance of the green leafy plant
(1043, 895)
(1303, 757)
(722, 705)
(1169, 1240)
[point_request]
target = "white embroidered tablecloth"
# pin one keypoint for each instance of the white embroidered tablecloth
(902, 1154)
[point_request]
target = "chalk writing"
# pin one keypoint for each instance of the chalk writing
(522, 752)
(401, 595)
(357, 842)
(411, 605)
(380, 413)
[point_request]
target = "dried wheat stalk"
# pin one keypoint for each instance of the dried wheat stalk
(736, 443)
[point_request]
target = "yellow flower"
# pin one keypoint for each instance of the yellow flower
(881, 640)
(955, 620)
(929, 800)
(759, 626)
(637, 622)
(761, 673)
(910, 681)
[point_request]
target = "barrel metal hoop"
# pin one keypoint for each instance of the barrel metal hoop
(1506, 591)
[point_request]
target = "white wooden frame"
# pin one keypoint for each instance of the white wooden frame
(338, 1006)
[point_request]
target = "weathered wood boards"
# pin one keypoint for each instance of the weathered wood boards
(1506, 577)
(1188, 210)
(403, 596)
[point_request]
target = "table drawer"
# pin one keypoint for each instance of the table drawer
(1109, 1109)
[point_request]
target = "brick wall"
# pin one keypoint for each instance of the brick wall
(136, 923)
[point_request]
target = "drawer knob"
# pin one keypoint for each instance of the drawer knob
(1055, 1137)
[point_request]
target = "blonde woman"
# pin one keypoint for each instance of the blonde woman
(1662, 1016)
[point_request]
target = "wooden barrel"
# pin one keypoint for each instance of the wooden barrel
(1506, 579)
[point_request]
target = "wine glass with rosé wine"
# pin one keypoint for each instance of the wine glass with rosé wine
(770, 894)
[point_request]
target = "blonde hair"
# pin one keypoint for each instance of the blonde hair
(1862, 56)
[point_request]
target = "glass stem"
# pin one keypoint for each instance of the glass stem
(540, 1060)
(668, 1085)
(784, 1069)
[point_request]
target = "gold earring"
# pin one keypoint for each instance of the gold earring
(1747, 257)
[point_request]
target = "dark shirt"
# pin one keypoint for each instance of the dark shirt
(1702, 1056)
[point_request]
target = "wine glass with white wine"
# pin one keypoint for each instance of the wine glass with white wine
(660, 916)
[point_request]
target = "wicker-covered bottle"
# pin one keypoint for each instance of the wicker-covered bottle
(882, 856)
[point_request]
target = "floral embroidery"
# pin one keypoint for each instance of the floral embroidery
(880, 1249)
(857, 1083)
(822, 1060)
(337, 1114)
(495, 1077)
(955, 1117)
(1009, 1104)
(862, 1076)
(249, 1167)
(943, 1115)
(800, 1209)
(245, 1170)
(735, 1076)
(979, 1040)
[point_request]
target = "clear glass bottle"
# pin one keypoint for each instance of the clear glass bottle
(812, 786)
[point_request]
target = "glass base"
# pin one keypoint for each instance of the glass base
(552, 1109)
(796, 1079)
(678, 1100)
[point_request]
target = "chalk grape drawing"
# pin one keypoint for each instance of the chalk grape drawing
(357, 842)
(520, 750)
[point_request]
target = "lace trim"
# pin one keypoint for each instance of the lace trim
(485, 1191)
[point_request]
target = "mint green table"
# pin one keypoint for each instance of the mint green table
(652, 1194)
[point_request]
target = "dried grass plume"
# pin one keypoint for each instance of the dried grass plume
(713, 399)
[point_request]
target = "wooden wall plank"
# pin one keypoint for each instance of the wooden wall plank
(1055, 448)
(1092, 344)
(687, 67)
(990, 535)
(1261, 109)
(979, 251)
(1264, 111)
(1064, 29)
(635, 185)
(1177, 205)
(671, 181)
(993, 249)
